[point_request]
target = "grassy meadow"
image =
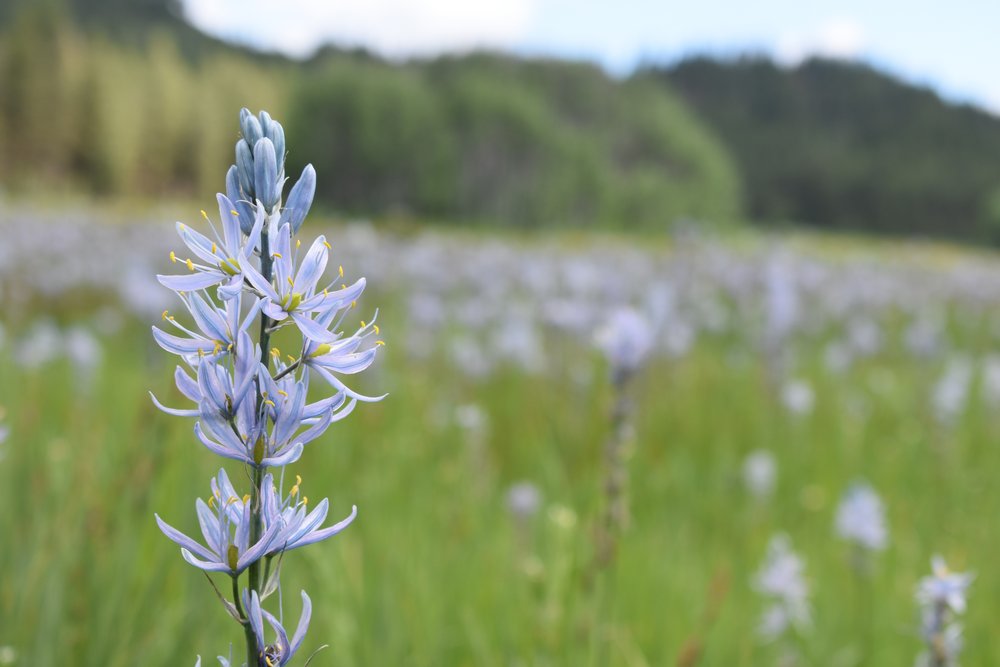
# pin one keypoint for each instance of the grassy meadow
(437, 570)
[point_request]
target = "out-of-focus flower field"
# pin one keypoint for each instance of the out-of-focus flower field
(785, 373)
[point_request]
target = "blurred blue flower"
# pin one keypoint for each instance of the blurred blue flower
(944, 587)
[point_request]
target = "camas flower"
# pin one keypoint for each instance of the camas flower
(282, 650)
(295, 294)
(781, 579)
(342, 355)
(944, 587)
(626, 340)
(298, 527)
(225, 259)
(942, 597)
(216, 386)
(336, 406)
(219, 327)
(225, 525)
(250, 441)
(861, 518)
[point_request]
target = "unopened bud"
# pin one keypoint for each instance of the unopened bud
(265, 173)
(250, 127)
(244, 168)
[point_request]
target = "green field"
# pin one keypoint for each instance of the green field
(436, 570)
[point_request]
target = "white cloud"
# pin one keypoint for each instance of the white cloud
(391, 27)
(835, 38)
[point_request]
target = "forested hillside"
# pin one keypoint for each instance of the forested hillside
(840, 145)
(130, 101)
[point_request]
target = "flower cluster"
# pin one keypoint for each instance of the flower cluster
(626, 340)
(861, 518)
(252, 405)
(942, 597)
(781, 579)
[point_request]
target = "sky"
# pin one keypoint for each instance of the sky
(951, 47)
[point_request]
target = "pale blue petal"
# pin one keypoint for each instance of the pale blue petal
(290, 455)
(312, 267)
(312, 330)
(192, 281)
(207, 565)
(181, 539)
(303, 626)
(173, 411)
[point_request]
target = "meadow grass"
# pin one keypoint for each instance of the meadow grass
(435, 572)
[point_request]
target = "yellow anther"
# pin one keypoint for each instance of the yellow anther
(165, 314)
(379, 343)
(234, 212)
(326, 292)
(214, 248)
(340, 270)
(211, 502)
(229, 348)
(291, 359)
(275, 352)
(201, 352)
(290, 281)
(173, 257)
(190, 265)
(276, 254)
(343, 286)
(327, 244)
(375, 327)
(353, 304)
(232, 501)
(269, 402)
(181, 225)
(203, 214)
(246, 498)
(305, 500)
(298, 243)
(294, 491)
(298, 480)
(283, 393)
(362, 324)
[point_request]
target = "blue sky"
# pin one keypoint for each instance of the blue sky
(950, 46)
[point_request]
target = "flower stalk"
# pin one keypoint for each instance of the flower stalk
(250, 408)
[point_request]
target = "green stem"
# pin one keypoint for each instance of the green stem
(251, 640)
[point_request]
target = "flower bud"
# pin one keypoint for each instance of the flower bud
(265, 123)
(244, 169)
(266, 185)
(243, 207)
(277, 136)
(250, 127)
(300, 199)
